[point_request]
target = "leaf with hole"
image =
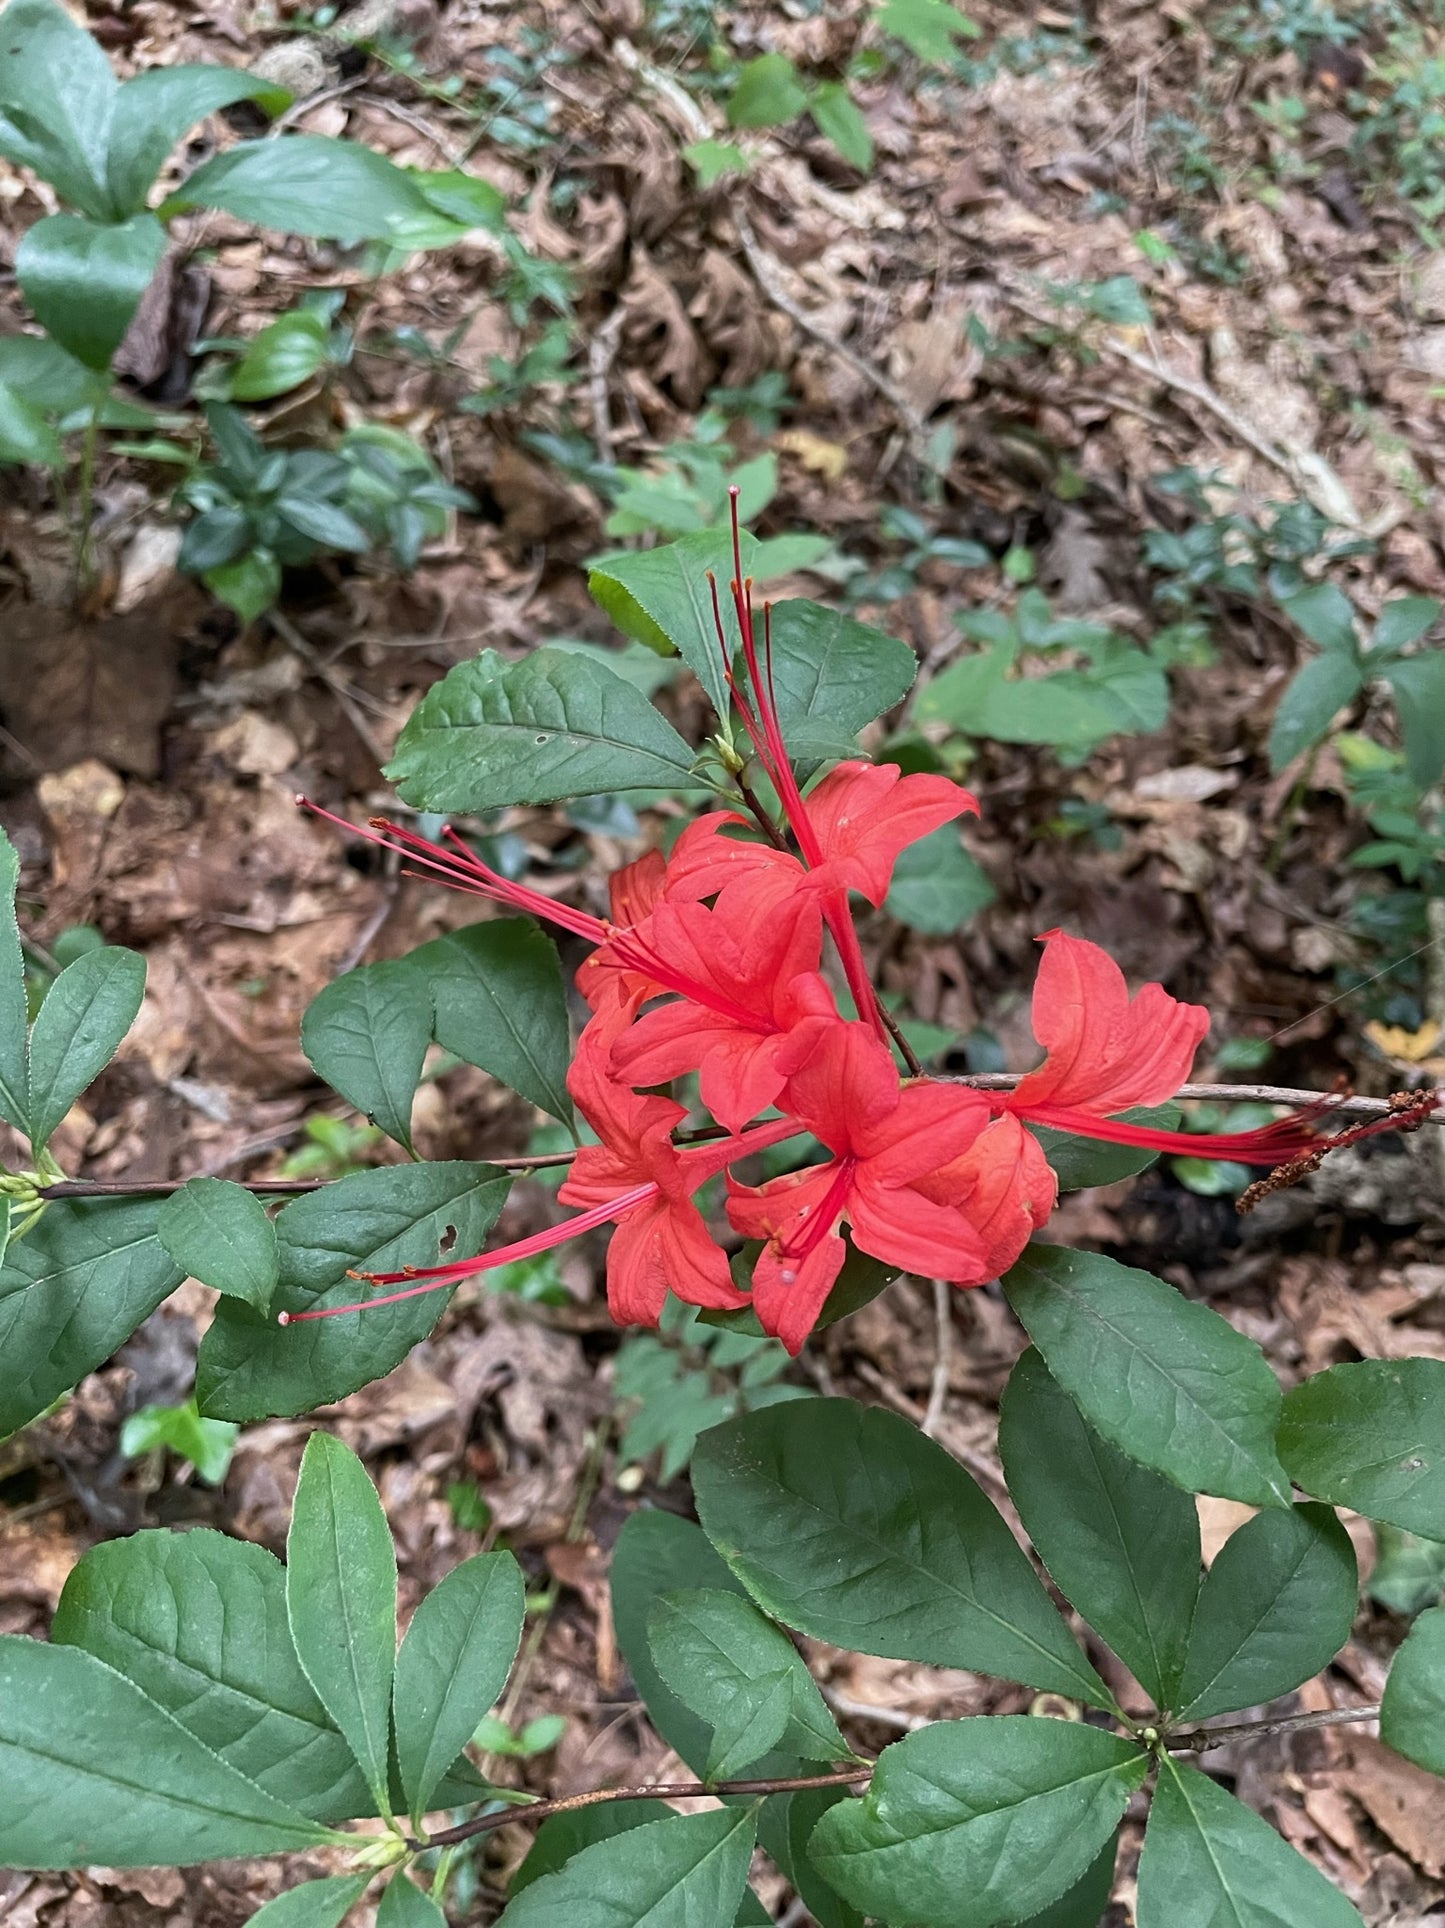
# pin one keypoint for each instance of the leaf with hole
(1372, 1436)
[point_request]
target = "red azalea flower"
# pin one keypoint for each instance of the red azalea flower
(886, 1139)
(862, 815)
(1003, 1185)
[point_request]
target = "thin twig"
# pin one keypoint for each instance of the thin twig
(162, 1187)
(1227, 1094)
(942, 1351)
(659, 1791)
(601, 353)
(1199, 1740)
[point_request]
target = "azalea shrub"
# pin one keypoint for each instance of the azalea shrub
(750, 1128)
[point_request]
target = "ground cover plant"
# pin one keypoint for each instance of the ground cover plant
(623, 680)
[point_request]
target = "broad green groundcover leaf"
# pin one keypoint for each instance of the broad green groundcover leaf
(1372, 1436)
(1209, 1861)
(73, 1290)
(554, 725)
(304, 184)
(219, 1233)
(57, 97)
(500, 1003)
(367, 1034)
(452, 1666)
(683, 1872)
(970, 1822)
(1121, 1543)
(250, 1368)
(1412, 1715)
(341, 1600)
(154, 108)
(87, 1011)
(198, 1622)
(1168, 1382)
(14, 1012)
(850, 1525)
(84, 279)
(1274, 1610)
(91, 1770)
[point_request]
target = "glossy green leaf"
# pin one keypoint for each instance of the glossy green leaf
(341, 1599)
(661, 597)
(1326, 615)
(26, 437)
(937, 886)
(1372, 1436)
(14, 1008)
(769, 92)
(1167, 1381)
(494, 733)
(91, 1770)
(840, 120)
(304, 184)
(1121, 1543)
(73, 1290)
(848, 1524)
(154, 108)
(1412, 1715)
(499, 1002)
(786, 1824)
(684, 1872)
(315, 1904)
(57, 97)
(403, 1905)
(1274, 1611)
(728, 1663)
(1208, 1860)
(1083, 1905)
(452, 1666)
(250, 1368)
(249, 585)
(970, 1822)
(1417, 684)
(84, 279)
(1309, 705)
(87, 1011)
(367, 1034)
(563, 1835)
(832, 675)
(287, 352)
(219, 1233)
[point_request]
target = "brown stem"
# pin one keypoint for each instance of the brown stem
(1199, 1740)
(764, 822)
(1225, 1094)
(659, 1791)
(162, 1187)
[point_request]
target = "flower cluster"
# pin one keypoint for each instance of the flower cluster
(712, 963)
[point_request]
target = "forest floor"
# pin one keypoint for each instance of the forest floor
(1282, 331)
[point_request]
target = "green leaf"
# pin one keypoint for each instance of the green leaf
(554, 725)
(207, 1443)
(724, 1660)
(851, 1526)
(1080, 1162)
(1308, 706)
(1121, 1543)
(323, 522)
(14, 1007)
(660, 597)
(87, 1011)
(250, 1368)
(452, 1666)
(249, 585)
(840, 120)
(1372, 1436)
(1417, 684)
(786, 1823)
(341, 1600)
(1168, 1382)
(1412, 1715)
(768, 93)
(84, 279)
(154, 109)
(1409, 1572)
(367, 1034)
(937, 886)
(563, 1835)
(1083, 1905)
(1275, 1609)
(832, 675)
(711, 160)
(315, 1904)
(403, 1905)
(927, 28)
(91, 1770)
(287, 352)
(1404, 620)
(219, 1233)
(972, 1821)
(499, 1003)
(25, 435)
(1208, 1859)
(684, 1872)
(71, 1291)
(1326, 615)
(304, 184)
(57, 97)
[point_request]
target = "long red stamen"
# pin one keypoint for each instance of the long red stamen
(462, 869)
(810, 1235)
(1286, 1138)
(628, 949)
